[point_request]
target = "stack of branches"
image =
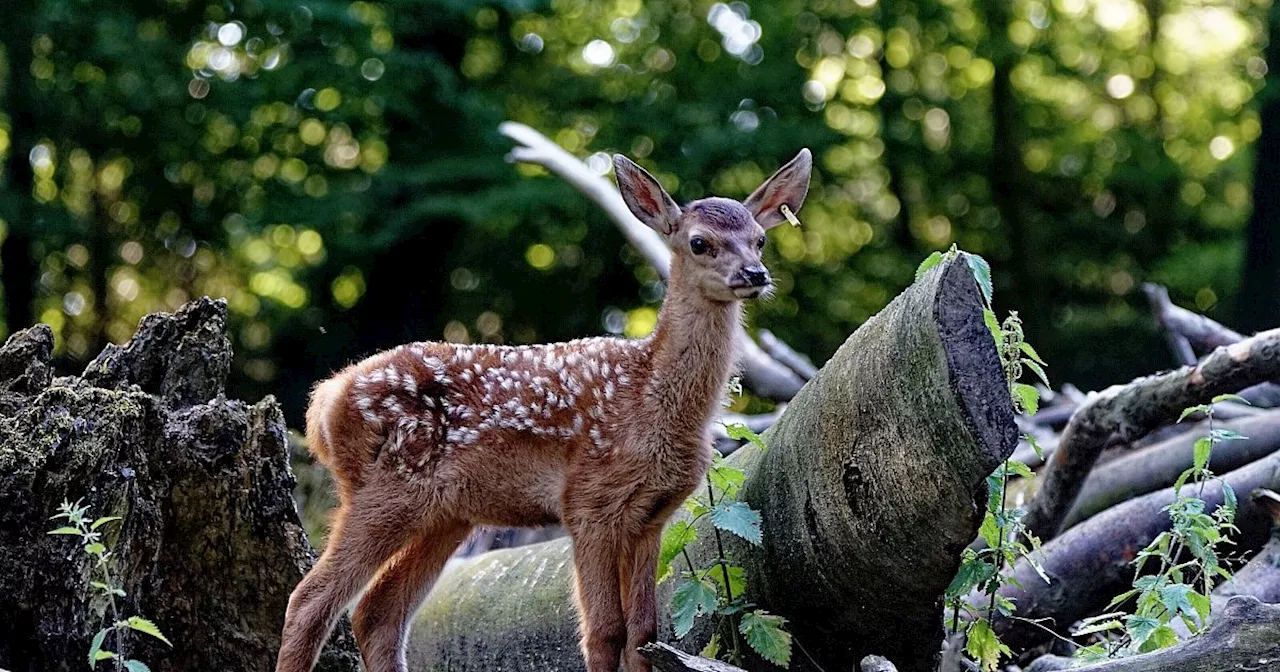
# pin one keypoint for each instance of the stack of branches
(1092, 520)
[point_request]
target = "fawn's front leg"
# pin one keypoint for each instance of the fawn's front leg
(596, 590)
(640, 602)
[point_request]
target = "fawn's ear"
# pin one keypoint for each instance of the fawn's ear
(786, 187)
(648, 201)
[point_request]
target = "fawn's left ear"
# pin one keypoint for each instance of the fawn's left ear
(646, 199)
(786, 187)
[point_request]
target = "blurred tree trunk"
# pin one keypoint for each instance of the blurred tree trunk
(1258, 303)
(18, 269)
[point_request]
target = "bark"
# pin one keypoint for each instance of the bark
(1246, 637)
(667, 658)
(877, 664)
(210, 544)
(1090, 563)
(1158, 466)
(1123, 413)
(881, 457)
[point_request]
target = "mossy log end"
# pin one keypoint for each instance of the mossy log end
(209, 545)
(879, 459)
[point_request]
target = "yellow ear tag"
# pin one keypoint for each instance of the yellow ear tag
(791, 216)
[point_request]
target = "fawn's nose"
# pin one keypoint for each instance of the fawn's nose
(757, 276)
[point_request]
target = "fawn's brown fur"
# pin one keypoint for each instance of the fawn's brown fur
(606, 435)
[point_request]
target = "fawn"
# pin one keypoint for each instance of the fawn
(606, 435)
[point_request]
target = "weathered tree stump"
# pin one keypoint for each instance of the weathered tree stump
(210, 544)
(873, 484)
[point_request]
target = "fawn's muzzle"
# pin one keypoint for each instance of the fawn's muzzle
(757, 277)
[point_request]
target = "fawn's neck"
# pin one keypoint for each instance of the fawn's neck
(694, 352)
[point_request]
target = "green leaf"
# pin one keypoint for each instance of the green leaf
(1031, 352)
(66, 530)
(1229, 498)
(96, 647)
(1182, 480)
(928, 263)
(103, 521)
(1119, 599)
(1019, 469)
(1140, 628)
(984, 647)
(993, 324)
(144, 626)
(95, 548)
(1174, 598)
(973, 572)
(1231, 397)
(739, 519)
(741, 432)
(1100, 626)
(737, 579)
(712, 649)
(695, 506)
(1028, 397)
(105, 655)
(1203, 447)
(1035, 446)
(1201, 408)
(692, 598)
(136, 666)
(1035, 368)
(728, 480)
(1162, 637)
(765, 635)
(674, 539)
(982, 273)
(1202, 605)
(990, 530)
(1226, 435)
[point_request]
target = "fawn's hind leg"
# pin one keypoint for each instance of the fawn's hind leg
(370, 529)
(383, 616)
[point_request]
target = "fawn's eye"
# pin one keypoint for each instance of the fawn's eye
(698, 245)
(760, 243)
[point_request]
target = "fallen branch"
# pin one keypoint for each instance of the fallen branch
(882, 457)
(782, 352)
(1124, 413)
(1245, 637)
(667, 658)
(765, 375)
(1158, 466)
(1091, 563)
(1196, 329)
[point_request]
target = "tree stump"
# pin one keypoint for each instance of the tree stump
(210, 544)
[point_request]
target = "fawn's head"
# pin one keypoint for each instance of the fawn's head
(719, 239)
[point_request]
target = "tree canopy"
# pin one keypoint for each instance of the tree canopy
(334, 168)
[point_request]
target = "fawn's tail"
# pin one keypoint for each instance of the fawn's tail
(335, 436)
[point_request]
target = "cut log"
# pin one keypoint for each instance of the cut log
(1245, 637)
(1124, 413)
(1158, 466)
(1091, 563)
(881, 457)
(209, 545)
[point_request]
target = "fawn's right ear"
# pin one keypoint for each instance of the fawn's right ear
(646, 199)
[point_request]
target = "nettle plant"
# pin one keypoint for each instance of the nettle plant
(105, 587)
(1007, 540)
(1187, 557)
(717, 589)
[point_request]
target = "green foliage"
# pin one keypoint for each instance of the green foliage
(1006, 540)
(91, 542)
(718, 589)
(1186, 559)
